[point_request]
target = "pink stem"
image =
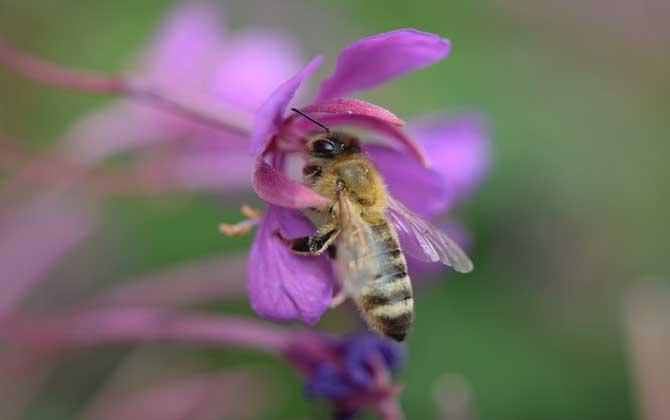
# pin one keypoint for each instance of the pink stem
(186, 284)
(46, 73)
(97, 327)
(145, 178)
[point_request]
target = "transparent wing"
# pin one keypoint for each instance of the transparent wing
(356, 247)
(424, 241)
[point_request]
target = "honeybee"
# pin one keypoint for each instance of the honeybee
(359, 232)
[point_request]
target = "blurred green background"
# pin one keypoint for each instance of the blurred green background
(572, 215)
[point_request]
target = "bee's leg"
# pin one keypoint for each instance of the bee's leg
(316, 244)
(298, 246)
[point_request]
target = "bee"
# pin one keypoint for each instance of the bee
(359, 233)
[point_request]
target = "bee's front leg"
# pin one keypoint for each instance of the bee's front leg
(311, 245)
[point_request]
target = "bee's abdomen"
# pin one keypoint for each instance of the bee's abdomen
(388, 302)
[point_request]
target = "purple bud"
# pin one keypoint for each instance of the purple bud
(353, 372)
(328, 381)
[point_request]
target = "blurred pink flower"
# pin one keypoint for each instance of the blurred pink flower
(190, 56)
(283, 286)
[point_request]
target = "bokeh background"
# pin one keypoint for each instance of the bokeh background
(570, 223)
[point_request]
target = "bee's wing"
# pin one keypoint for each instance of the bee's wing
(424, 241)
(356, 265)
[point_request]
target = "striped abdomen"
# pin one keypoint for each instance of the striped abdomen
(387, 301)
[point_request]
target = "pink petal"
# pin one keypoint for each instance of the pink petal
(459, 149)
(254, 65)
(421, 189)
(377, 125)
(283, 286)
(121, 127)
(276, 188)
(352, 106)
(213, 172)
(374, 60)
(270, 116)
(186, 46)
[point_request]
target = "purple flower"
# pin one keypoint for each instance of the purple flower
(458, 147)
(297, 295)
(354, 373)
(429, 172)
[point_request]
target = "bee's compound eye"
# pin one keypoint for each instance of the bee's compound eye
(324, 148)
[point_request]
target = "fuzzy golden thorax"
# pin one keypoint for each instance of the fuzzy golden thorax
(335, 162)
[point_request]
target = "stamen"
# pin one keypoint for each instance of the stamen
(251, 212)
(253, 218)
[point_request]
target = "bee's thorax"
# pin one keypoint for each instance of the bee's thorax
(358, 176)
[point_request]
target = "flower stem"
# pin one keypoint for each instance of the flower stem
(197, 108)
(95, 327)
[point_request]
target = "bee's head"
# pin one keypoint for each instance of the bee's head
(332, 144)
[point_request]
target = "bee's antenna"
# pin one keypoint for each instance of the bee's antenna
(311, 119)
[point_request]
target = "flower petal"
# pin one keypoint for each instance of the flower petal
(276, 188)
(118, 128)
(459, 149)
(254, 65)
(212, 172)
(352, 106)
(374, 60)
(422, 190)
(270, 116)
(284, 286)
(185, 46)
(361, 351)
(327, 381)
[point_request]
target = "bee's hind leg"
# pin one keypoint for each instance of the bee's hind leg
(315, 244)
